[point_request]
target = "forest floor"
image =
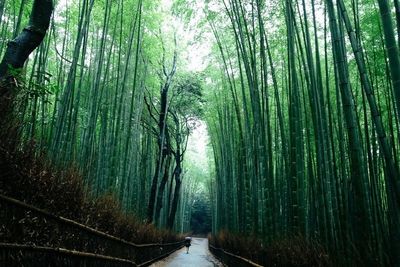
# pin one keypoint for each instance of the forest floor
(199, 255)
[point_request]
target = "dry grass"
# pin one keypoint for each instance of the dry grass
(290, 252)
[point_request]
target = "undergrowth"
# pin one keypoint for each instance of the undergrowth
(289, 252)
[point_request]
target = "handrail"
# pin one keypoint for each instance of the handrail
(66, 252)
(251, 263)
(74, 253)
(147, 263)
(81, 226)
(89, 242)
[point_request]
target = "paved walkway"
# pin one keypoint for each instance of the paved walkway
(199, 256)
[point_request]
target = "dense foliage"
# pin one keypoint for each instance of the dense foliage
(200, 219)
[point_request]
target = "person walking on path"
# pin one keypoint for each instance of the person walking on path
(188, 239)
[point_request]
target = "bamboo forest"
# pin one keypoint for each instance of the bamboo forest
(200, 133)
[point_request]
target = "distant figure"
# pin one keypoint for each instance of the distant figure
(188, 239)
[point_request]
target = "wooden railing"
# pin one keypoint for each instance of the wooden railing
(62, 240)
(230, 259)
(22, 255)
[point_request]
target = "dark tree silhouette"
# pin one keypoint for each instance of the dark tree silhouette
(29, 39)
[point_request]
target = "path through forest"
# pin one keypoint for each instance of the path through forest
(199, 255)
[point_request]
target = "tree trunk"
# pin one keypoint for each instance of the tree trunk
(21, 47)
(162, 150)
(161, 189)
(175, 200)
(17, 52)
(391, 48)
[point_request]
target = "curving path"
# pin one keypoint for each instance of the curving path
(199, 256)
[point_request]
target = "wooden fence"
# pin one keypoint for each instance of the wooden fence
(64, 242)
(12, 255)
(230, 259)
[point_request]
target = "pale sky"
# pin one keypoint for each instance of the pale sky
(197, 145)
(196, 52)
